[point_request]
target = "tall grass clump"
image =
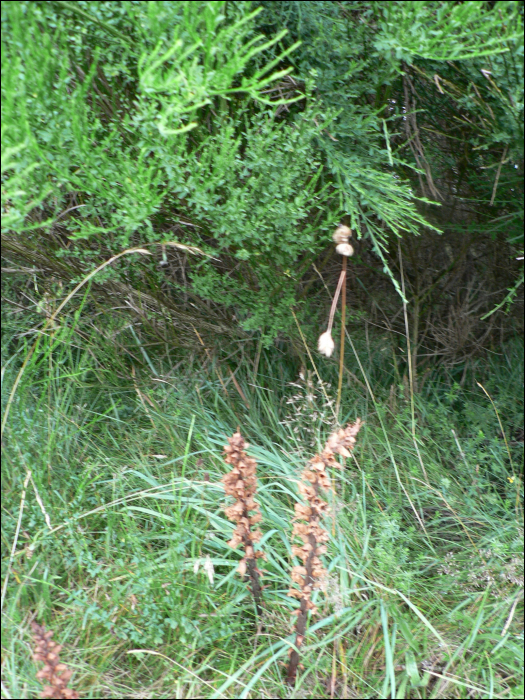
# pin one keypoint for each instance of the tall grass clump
(119, 455)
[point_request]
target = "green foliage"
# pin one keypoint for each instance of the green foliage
(16, 204)
(447, 75)
(148, 121)
(448, 31)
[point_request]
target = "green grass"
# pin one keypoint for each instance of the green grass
(124, 505)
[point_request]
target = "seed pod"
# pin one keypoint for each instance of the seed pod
(344, 249)
(342, 234)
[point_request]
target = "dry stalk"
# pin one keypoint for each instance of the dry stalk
(307, 526)
(241, 483)
(342, 346)
(55, 673)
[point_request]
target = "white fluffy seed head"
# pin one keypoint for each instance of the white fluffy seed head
(344, 249)
(342, 234)
(326, 344)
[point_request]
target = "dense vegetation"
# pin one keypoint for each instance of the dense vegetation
(172, 173)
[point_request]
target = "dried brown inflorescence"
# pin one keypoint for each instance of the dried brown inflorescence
(55, 673)
(241, 483)
(307, 527)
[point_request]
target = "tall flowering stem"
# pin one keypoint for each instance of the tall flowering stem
(307, 527)
(54, 672)
(326, 344)
(241, 483)
(342, 345)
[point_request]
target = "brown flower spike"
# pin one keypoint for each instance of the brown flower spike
(55, 673)
(241, 483)
(307, 527)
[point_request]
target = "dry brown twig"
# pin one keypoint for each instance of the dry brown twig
(54, 672)
(241, 483)
(307, 526)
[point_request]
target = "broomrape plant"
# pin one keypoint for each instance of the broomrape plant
(54, 672)
(241, 483)
(307, 527)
